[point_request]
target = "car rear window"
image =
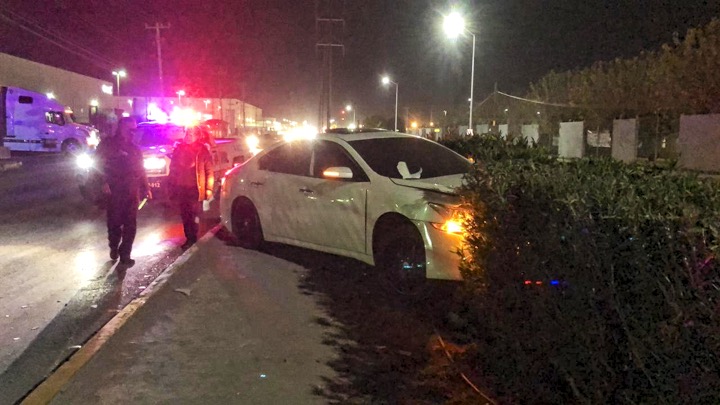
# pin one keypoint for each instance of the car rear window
(409, 157)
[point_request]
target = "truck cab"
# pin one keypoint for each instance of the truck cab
(33, 122)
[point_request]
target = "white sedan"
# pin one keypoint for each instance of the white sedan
(385, 198)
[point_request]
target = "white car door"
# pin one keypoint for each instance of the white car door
(333, 210)
(274, 189)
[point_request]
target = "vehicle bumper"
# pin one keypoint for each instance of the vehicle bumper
(441, 252)
(159, 188)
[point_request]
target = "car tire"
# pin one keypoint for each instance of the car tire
(401, 260)
(246, 225)
(70, 147)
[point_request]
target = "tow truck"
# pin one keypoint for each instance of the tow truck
(157, 142)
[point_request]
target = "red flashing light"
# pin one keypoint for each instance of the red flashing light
(528, 282)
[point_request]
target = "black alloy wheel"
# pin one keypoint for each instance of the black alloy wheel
(246, 225)
(402, 261)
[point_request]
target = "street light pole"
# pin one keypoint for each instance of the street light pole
(454, 25)
(472, 82)
(386, 80)
(396, 104)
(118, 74)
(349, 108)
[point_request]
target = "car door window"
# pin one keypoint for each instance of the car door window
(290, 158)
(330, 154)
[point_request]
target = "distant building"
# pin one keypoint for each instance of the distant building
(92, 100)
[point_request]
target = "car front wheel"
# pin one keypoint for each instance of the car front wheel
(401, 261)
(70, 147)
(246, 225)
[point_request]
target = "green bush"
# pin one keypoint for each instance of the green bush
(591, 281)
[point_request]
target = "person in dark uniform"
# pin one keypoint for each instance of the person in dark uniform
(121, 164)
(191, 180)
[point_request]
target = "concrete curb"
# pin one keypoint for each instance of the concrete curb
(55, 382)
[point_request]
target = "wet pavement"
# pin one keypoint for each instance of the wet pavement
(57, 286)
(230, 326)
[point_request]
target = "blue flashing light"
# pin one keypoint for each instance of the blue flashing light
(554, 282)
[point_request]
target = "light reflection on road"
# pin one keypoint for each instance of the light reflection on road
(86, 266)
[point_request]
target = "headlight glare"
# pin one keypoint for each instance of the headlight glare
(84, 161)
(92, 139)
(154, 163)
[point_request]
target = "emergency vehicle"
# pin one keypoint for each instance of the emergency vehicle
(157, 142)
(35, 122)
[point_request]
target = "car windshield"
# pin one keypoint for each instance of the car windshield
(410, 158)
(153, 135)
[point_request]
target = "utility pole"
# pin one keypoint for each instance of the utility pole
(329, 28)
(157, 27)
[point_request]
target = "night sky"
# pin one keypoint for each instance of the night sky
(264, 50)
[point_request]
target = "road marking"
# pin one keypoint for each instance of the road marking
(52, 385)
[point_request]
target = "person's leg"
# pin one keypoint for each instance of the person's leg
(114, 226)
(187, 202)
(129, 227)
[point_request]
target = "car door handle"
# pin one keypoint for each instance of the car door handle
(306, 190)
(256, 183)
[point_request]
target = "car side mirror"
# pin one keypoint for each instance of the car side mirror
(337, 173)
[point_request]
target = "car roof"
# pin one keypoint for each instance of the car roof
(364, 134)
(157, 124)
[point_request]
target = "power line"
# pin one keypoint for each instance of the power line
(58, 39)
(539, 102)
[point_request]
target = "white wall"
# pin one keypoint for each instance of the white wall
(571, 142)
(699, 142)
(625, 140)
(531, 132)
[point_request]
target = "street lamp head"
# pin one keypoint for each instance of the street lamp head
(348, 107)
(385, 80)
(453, 25)
(181, 92)
(119, 73)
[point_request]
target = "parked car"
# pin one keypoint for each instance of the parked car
(385, 198)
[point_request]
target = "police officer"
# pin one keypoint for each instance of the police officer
(191, 179)
(121, 164)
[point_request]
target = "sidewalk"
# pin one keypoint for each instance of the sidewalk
(228, 326)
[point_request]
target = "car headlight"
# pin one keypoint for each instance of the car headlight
(154, 163)
(453, 219)
(253, 143)
(84, 161)
(92, 139)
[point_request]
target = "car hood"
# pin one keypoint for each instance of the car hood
(83, 127)
(155, 149)
(445, 184)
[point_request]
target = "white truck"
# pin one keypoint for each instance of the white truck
(33, 122)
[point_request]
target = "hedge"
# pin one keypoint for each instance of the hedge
(590, 281)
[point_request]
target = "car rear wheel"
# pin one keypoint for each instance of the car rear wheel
(246, 225)
(401, 261)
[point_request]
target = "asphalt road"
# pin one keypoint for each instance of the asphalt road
(57, 285)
